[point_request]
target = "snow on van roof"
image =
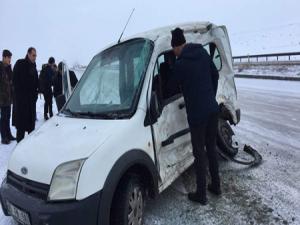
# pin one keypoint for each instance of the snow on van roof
(166, 31)
(154, 34)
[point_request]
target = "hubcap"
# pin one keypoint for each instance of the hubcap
(136, 204)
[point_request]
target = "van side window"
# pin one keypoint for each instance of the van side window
(162, 74)
(213, 51)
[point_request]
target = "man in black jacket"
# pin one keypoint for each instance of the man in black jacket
(198, 77)
(25, 83)
(45, 85)
(6, 97)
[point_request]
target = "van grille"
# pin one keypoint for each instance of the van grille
(29, 187)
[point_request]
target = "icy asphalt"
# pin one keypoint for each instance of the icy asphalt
(268, 194)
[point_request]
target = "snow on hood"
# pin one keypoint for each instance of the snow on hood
(59, 140)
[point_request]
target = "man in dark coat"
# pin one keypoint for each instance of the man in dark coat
(6, 97)
(25, 83)
(45, 85)
(57, 83)
(198, 77)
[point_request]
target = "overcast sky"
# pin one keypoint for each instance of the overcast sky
(75, 30)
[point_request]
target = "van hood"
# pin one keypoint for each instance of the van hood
(59, 140)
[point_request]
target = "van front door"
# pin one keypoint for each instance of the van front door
(66, 83)
(171, 131)
(66, 87)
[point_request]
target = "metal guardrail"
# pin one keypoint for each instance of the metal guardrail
(275, 57)
(267, 77)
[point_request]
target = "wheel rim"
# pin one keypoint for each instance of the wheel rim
(136, 205)
(226, 134)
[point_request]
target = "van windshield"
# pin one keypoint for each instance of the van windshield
(111, 84)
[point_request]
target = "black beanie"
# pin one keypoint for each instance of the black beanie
(6, 53)
(51, 60)
(177, 37)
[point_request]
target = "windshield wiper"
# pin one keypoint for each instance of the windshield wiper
(108, 115)
(98, 115)
(70, 112)
(115, 115)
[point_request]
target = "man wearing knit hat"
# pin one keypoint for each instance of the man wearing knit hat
(198, 77)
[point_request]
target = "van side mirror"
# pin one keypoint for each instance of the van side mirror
(60, 101)
(154, 111)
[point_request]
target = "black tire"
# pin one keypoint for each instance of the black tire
(224, 138)
(128, 202)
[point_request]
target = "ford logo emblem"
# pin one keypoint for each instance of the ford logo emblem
(24, 170)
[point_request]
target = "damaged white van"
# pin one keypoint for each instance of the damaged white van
(119, 138)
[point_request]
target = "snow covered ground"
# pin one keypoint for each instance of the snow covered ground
(279, 38)
(268, 194)
(268, 70)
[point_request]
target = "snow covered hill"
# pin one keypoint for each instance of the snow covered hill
(281, 38)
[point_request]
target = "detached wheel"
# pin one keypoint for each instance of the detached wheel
(128, 204)
(224, 138)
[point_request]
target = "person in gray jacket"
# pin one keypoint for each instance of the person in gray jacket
(6, 97)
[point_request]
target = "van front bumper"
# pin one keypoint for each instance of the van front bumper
(46, 213)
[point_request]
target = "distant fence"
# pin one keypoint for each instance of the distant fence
(275, 57)
(266, 77)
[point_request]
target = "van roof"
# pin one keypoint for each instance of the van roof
(154, 34)
(165, 31)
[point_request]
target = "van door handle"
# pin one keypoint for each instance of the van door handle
(181, 105)
(178, 134)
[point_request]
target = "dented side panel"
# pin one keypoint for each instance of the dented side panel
(171, 121)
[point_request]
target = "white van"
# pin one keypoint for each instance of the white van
(119, 138)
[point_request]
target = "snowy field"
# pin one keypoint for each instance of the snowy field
(268, 194)
(263, 41)
(268, 70)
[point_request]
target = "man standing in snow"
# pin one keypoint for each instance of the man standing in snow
(6, 97)
(45, 84)
(198, 77)
(25, 83)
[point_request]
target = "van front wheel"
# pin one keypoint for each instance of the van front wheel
(224, 138)
(128, 204)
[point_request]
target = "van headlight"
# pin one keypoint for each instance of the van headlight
(64, 181)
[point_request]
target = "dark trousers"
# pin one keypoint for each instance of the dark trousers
(205, 136)
(21, 134)
(48, 104)
(5, 122)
